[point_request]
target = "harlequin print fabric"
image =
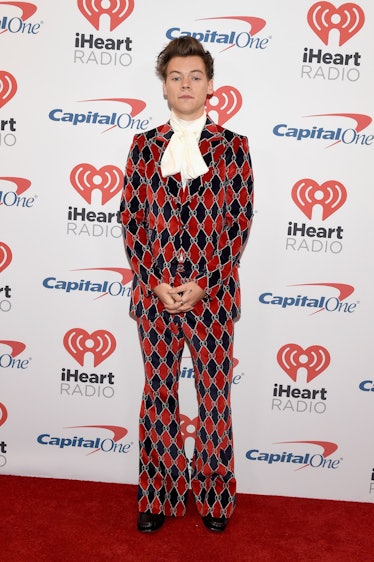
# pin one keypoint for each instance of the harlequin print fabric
(163, 473)
(174, 235)
(205, 225)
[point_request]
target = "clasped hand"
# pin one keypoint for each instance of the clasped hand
(179, 299)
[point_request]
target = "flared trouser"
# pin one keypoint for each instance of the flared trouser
(163, 472)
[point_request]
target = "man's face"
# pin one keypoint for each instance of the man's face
(186, 87)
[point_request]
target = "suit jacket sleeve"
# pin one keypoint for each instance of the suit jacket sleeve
(238, 218)
(134, 210)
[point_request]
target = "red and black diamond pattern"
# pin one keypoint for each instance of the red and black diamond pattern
(174, 235)
(206, 225)
(163, 473)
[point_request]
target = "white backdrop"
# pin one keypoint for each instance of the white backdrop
(77, 82)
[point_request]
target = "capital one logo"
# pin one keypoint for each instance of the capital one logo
(16, 347)
(116, 10)
(330, 195)
(22, 184)
(348, 19)
(26, 8)
(240, 40)
(100, 343)
(10, 198)
(315, 359)
(8, 357)
(225, 102)
(8, 87)
(5, 256)
(120, 120)
(85, 178)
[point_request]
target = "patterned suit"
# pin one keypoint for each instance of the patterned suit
(174, 235)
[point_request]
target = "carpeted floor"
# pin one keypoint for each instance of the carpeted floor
(48, 520)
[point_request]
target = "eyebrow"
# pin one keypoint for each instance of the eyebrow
(179, 72)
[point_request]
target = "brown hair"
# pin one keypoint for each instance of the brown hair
(185, 46)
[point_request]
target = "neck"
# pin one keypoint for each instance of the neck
(187, 122)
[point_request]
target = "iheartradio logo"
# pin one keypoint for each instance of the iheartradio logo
(85, 178)
(315, 359)
(330, 195)
(117, 11)
(225, 102)
(5, 256)
(8, 87)
(100, 343)
(3, 414)
(188, 426)
(348, 19)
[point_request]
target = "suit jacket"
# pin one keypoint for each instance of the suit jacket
(205, 225)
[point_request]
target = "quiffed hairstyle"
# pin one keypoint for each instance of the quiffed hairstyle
(185, 46)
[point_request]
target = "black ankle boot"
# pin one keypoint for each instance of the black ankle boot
(148, 522)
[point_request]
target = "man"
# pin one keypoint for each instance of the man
(186, 212)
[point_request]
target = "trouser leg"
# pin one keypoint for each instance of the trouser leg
(163, 471)
(213, 481)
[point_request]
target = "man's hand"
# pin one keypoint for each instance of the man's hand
(179, 299)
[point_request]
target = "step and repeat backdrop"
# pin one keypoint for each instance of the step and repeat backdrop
(77, 81)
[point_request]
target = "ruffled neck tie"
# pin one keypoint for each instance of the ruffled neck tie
(182, 154)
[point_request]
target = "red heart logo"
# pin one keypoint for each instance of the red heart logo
(117, 10)
(108, 179)
(307, 193)
(3, 414)
(225, 102)
(100, 343)
(315, 359)
(348, 19)
(8, 87)
(5, 256)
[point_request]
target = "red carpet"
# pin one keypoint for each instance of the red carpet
(72, 521)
